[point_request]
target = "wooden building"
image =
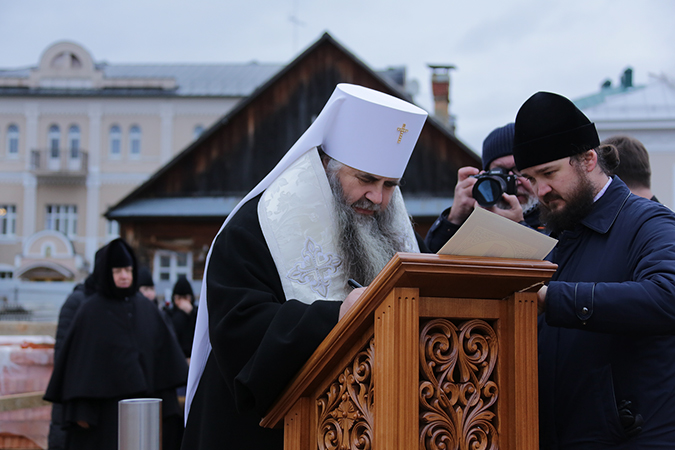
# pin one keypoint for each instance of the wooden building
(172, 218)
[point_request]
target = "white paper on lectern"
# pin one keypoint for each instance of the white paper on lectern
(488, 234)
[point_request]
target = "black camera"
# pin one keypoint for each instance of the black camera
(491, 185)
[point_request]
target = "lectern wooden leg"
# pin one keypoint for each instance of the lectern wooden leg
(524, 407)
(396, 371)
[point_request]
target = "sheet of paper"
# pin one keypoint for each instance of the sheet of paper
(487, 234)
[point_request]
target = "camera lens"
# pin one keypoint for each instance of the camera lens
(488, 190)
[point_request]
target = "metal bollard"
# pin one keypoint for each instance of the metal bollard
(140, 424)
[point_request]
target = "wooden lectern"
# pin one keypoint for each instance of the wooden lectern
(441, 353)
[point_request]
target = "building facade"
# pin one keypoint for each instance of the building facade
(644, 112)
(76, 136)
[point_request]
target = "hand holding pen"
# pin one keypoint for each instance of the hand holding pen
(353, 283)
(352, 298)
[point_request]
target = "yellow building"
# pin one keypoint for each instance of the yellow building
(76, 136)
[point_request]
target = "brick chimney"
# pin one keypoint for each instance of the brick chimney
(440, 88)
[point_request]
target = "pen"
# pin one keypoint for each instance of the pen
(353, 283)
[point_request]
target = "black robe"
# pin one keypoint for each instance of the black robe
(184, 326)
(117, 347)
(57, 436)
(260, 340)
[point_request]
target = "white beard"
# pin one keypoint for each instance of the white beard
(366, 243)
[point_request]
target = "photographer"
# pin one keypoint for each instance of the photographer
(521, 207)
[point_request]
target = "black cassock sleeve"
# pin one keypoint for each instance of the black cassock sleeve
(260, 339)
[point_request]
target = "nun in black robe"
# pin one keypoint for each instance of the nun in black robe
(183, 322)
(118, 347)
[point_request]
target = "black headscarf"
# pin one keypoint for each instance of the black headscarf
(116, 254)
(145, 277)
(183, 287)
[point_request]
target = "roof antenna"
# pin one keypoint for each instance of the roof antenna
(293, 18)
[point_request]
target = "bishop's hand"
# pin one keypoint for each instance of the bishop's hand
(351, 300)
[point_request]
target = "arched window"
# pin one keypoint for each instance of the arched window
(135, 141)
(66, 60)
(54, 139)
(74, 141)
(13, 140)
(115, 141)
(199, 129)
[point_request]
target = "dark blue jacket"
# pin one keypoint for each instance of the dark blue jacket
(609, 328)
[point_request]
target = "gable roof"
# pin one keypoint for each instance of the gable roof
(237, 151)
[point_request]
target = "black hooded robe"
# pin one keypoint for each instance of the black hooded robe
(118, 347)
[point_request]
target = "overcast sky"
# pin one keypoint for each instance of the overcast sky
(504, 50)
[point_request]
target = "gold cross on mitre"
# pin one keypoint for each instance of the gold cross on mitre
(401, 130)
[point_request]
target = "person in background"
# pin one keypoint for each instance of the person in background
(522, 207)
(634, 168)
(147, 288)
(183, 314)
(146, 285)
(606, 342)
(117, 347)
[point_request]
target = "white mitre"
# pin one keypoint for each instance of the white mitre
(360, 127)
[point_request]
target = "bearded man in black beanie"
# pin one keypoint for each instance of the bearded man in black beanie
(606, 342)
(118, 347)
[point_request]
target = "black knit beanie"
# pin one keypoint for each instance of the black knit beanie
(550, 127)
(497, 144)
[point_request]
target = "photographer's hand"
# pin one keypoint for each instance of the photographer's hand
(513, 212)
(464, 202)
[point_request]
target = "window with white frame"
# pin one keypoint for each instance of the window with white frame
(13, 140)
(62, 218)
(7, 220)
(74, 141)
(169, 265)
(54, 140)
(112, 229)
(115, 141)
(135, 141)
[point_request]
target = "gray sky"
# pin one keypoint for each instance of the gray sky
(504, 50)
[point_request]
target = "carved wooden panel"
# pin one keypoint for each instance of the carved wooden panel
(345, 410)
(457, 389)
